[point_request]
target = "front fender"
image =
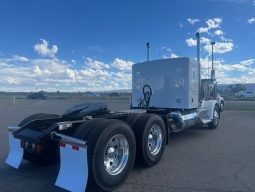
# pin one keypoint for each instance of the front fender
(209, 105)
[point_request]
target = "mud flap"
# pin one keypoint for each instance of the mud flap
(15, 155)
(73, 173)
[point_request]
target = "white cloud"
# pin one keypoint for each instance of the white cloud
(20, 58)
(205, 40)
(232, 67)
(173, 55)
(248, 62)
(222, 38)
(10, 80)
(166, 49)
(94, 64)
(223, 46)
(43, 49)
(168, 53)
(122, 65)
(192, 21)
(214, 23)
(95, 73)
(37, 70)
(219, 47)
(191, 42)
(54, 74)
(251, 20)
(73, 61)
(218, 32)
(14, 59)
(203, 29)
(71, 73)
(224, 71)
(211, 24)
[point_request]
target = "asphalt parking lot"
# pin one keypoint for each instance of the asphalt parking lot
(196, 159)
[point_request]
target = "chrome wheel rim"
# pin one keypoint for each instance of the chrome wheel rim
(221, 106)
(116, 154)
(216, 117)
(155, 139)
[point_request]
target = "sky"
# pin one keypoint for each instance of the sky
(91, 45)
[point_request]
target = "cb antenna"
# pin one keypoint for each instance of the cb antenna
(199, 69)
(212, 71)
(148, 51)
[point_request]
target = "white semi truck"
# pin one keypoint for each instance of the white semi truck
(97, 148)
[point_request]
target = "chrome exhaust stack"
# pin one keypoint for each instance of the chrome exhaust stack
(199, 69)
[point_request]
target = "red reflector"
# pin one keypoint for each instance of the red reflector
(75, 147)
(62, 145)
(38, 148)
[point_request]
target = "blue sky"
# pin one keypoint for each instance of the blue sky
(91, 45)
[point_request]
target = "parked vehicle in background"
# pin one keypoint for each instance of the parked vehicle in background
(91, 94)
(37, 95)
(245, 94)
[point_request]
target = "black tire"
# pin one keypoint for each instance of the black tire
(83, 130)
(46, 157)
(215, 121)
(100, 133)
(142, 129)
(132, 118)
(221, 106)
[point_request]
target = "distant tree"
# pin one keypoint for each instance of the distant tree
(114, 94)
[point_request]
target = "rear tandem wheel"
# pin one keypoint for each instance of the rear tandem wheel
(111, 152)
(150, 133)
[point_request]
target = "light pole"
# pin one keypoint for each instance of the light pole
(212, 71)
(148, 50)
